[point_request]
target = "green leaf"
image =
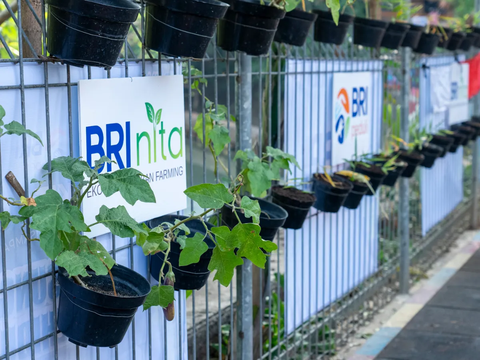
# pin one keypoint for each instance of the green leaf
(251, 209)
(245, 156)
(250, 243)
(70, 168)
(51, 243)
(15, 128)
(334, 6)
(162, 295)
(226, 240)
(279, 154)
(93, 262)
(158, 116)
(259, 177)
(220, 137)
(73, 263)
(291, 5)
(194, 248)
(101, 161)
(6, 218)
(182, 227)
(189, 293)
(209, 195)
(2, 114)
(97, 249)
(130, 183)
(198, 128)
(119, 222)
(181, 240)
(153, 242)
(150, 112)
(224, 263)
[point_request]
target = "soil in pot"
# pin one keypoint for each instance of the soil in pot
(98, 318)
(368, 32)
(431, 153)
(272, 218)
(468, 41)
(294, 27)
(445, 37)
(248, 26)
(296, 202)
(190, 277)
(413, 35)
(375, 173)
(442, 141)
(355, 196)
(458, 140)
(89, 33)
(427, 44)
(330, 199)
(326, 31)
(468, 131)
(182, 27)
(394, 35)
(413, 159)
(455, 41)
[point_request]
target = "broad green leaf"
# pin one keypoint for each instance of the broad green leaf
(194, 248)
(251, 209)
(73, 263)
(130, 183)
(209, 195)
(183, 227)
(2, 113)
(119, 222)
(224, 263)
(334, 6)
(70, 168)
(291, 5)
(220, 137)
(161, 295)
(245, 156)
(93, 262)
(259, 177)
(225, 238)
(101, 161)
(250, 242)
(189, 293)
(279, 154)
(198, 128)
(97, 249)
(181, 240)
(6, 218)
(158, 116)
(153, 242)
(150, 112)
(71, 241)
(51, 243)
(15, 128)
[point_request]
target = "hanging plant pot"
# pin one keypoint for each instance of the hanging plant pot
(297, 203)
(393, 175)
(294, 27)
(369, 33)
(413, 35)
(330, 199)
(413, 159)
(354, 198)
(469, 132)
(272, 218)
(431, 153)
(427, 44)
(93, 316)
(375, 173)
(91, 32)
(474, 124)
(468, 41)
(443, 141)
(455, 41)
(394, 35)
(458, 140)
(248, 26)
(326, 31)
(190, 277)
(445, 37)
(476, 30)
(182, 27)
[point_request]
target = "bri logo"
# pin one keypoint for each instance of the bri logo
(343, 108)
(117, 142)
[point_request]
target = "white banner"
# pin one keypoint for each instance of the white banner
(458, 110)
(138, 123)
(352, 115)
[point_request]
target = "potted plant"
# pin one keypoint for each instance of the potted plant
(398, 27)
(293, 29)
(429, 40)
(182, 27)
(465, 36)
(468, 131)
(297, 204)
(411, 151)
(330, 191)
(430, 153)
(331, 27)
(91, 32)
(458, 139)
(443, 141)
(361, 184)
(368, 32)
(446, 35)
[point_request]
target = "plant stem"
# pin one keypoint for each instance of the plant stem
(10, 202)
(163, 265)
(113, 282)
(79, 282)
(194, 217)
(90, 184)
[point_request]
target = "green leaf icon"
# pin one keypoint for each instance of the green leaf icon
(158, 116)
(150, 112)
(347, 127)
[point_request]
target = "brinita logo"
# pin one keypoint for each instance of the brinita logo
(342, 112)
(342, 109)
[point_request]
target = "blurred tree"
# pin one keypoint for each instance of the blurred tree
(461, 7)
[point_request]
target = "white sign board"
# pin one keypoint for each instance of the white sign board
(458, 109)
(138, 123)
(352, 115)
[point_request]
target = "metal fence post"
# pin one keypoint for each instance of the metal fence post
(244, 334)
(404, 213)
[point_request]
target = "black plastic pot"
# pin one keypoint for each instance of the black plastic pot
(393, 175)
(272, 218)
(355, 196)
(455, 41)
(443, 141)
(297, 210)
(190, 277)
(368, 32)
(413, 35)
(182, 27)
(468, 41)
(248, 26)
(294, 27)
(476, 30)
(445, 37)
(91, 32)
(91, 318)
(413, 159)
(474, 124)
(475, 119)
(468, 131)
(375, 174)
(394, 35)
(458, 140)
(326, 31)
(427, 44)
(431, 153)
(330, 199)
